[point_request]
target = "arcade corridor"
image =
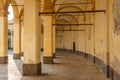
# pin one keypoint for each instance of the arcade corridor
(60, 40)
(67, 66)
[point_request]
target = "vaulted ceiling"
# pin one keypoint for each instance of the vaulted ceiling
(72, 6)
(59, 6)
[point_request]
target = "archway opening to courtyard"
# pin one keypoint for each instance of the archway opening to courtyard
(10, 30)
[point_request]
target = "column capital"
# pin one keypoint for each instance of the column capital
(3, 13)
(16, 20)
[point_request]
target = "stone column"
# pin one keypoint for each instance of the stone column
(31, 62)
(3, 37)
(54, 45)
(22, 38)
(48, 45)
(17, 39)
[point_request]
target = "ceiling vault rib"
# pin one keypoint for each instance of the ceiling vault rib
(89, 11)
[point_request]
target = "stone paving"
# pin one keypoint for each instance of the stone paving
(67, 66)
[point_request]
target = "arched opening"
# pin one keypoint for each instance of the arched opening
(13, 14)
(70, 28)
(10, 15)
(10, 29)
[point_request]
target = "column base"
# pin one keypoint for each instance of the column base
(16, 56)
(54, 55)
(4, 60)
(31, 69)
(48, 60)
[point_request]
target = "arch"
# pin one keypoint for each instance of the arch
(54, 1)
(64, 7)
(15, 8)
(67, 15)
(77, 8)
(62, 20)
(21, 12)
(1, 5)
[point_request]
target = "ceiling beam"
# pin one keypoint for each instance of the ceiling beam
(70, 30)
(89, 11)
(71, 24)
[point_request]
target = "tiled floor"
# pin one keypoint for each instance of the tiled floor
(67, 66)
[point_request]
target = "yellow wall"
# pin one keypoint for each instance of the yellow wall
(100, 31)
(65, 39)
(114, 45)
(90, 34)
(99, 39)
